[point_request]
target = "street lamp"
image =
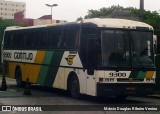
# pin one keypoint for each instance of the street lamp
(53, 5)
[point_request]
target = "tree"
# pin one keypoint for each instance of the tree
(103, 11)
(3, 24)
(79, 19)
(150, 17)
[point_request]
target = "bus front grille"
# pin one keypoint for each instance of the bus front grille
(129, 80)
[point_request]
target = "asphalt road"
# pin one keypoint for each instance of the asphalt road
(56, 99)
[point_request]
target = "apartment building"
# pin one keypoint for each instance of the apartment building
(9, 8)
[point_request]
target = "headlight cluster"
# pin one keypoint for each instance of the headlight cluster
(106, 79)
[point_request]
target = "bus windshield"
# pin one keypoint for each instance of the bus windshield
(126, 48)
(142, 49)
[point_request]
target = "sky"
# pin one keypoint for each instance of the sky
(70, 10)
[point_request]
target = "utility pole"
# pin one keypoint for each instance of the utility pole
(141, 9)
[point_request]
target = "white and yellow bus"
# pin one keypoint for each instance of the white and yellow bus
(96, 57)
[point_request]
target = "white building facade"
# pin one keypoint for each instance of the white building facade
(9, 8)
(47, 21)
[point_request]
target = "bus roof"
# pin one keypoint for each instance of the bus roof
(100, 22)
(118, 23)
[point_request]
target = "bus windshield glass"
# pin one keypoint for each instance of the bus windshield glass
(115, 48)
(142, 49)
(126, 49)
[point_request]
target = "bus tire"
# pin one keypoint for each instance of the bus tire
(74, 88)
(18, 76)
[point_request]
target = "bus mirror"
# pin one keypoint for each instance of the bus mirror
(155, 43)
(91, 53)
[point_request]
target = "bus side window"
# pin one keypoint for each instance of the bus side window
(72, 38)
(62, 38)
(36, 40)
(28, 38)
(47, 39)
(60, 41)
(23, 40)
(13, 40)
(7, 40)
(54, 37)
(83, 43)
(19, 40)
(43, 39)
(16, 40)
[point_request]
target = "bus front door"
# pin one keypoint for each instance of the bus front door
(91, 63)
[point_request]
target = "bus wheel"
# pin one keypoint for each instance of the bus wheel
(18, 76)
(74, 88)
(121, 97)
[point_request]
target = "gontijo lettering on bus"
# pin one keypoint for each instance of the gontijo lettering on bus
(23, 55)
(16, 55)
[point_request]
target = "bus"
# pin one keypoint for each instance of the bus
(96, 57)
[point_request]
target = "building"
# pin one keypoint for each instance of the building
(46, 19)
(9, 8)
(19, 19)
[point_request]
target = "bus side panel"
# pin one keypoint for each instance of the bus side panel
(45, 67)
(31, 71)
(70, 63)
(60, 78)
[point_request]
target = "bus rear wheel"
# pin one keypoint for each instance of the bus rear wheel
(18, 76)
(74, 88)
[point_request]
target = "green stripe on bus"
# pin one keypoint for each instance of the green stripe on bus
(48, 57)
(52, 72)
(141, 74)
(133, 74)
(42, 74)
(44, 69)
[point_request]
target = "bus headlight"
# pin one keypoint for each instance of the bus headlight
(109, 79)
(100, 79)
(106, 79)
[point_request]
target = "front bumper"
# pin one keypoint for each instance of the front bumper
(109, 89)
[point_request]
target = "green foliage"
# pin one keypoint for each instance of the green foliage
(3, 25)
(79, 19)
(151, 18)
(6, 23)
(103, 11)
